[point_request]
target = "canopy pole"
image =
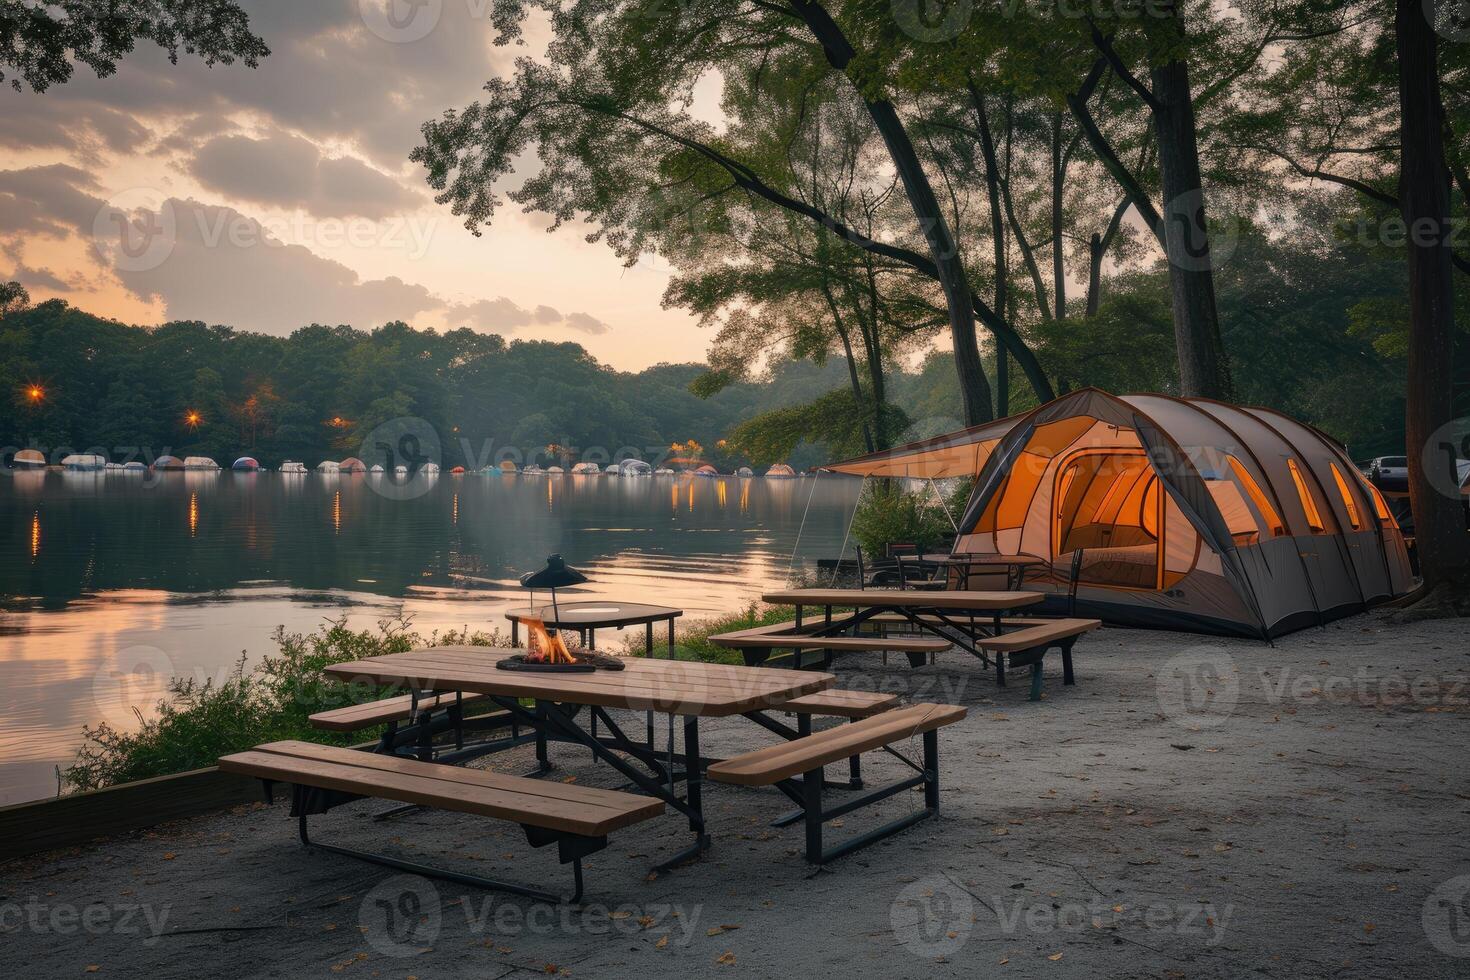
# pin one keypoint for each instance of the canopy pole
(802, 526)
(943, 506)
(837, 566)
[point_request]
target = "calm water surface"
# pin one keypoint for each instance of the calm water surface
(111, 584)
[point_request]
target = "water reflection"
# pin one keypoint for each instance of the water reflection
(204, 568)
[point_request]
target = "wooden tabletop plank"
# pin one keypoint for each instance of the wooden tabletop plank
(632, 677)
(671, 686)
(903, 599)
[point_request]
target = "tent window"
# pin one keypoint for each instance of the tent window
(1314, 516)
(1258, 497)
(1380, 506)
(1347, 498)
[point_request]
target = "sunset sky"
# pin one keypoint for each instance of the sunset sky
(283, 195)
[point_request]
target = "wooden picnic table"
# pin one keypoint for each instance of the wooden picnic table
(965, 564)
(689, 689)
(586, 617)
(949, 614)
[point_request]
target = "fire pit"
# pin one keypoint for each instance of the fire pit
(547, 652)
(545, 649)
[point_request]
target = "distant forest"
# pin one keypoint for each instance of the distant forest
(76, 382)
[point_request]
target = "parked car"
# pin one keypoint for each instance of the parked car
(1389, 473)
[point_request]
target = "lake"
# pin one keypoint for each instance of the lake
(111, 583)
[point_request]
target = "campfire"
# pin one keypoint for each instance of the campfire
(545, 649)
(543, 646)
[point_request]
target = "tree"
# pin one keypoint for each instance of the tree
(39, 41)
(1424, 184)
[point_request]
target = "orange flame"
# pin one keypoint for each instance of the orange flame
(545, 646)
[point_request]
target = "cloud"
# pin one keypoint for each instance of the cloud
(505, 316)
(290, 172)
(54, 200)
(586, 323)
(220, 266)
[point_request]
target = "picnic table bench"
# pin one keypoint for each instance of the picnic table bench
(575, 818)
(779, 765)
(758, 643)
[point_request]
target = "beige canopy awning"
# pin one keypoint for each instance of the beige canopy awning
(961, 453)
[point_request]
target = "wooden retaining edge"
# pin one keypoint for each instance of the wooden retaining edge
(67, 821)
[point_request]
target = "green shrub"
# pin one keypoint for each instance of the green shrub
(199, 722)
(889, 514)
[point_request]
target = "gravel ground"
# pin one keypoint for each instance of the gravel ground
(1193, 807)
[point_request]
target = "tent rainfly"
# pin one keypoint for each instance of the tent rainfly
(29, 459)
(246, 464)
(783, 472)
(1190, 514)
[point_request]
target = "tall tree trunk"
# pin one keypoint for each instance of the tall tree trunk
(1058, 258)
(852, 372)
(1203, 370)
(974, 388)
(1439, 522)
(998, 239)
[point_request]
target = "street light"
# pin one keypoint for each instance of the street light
(35, 393)
(192, 419)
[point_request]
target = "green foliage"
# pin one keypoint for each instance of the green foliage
(127, 392)
(888, 513)
(199, 722)
(40, 40)
(836, 419)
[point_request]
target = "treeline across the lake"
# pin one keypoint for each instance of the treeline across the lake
(76, 382)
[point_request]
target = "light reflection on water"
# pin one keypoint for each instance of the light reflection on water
(116, 582)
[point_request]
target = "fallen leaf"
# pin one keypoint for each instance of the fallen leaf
(727, 960)
(662, 943)
(1054, 957)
